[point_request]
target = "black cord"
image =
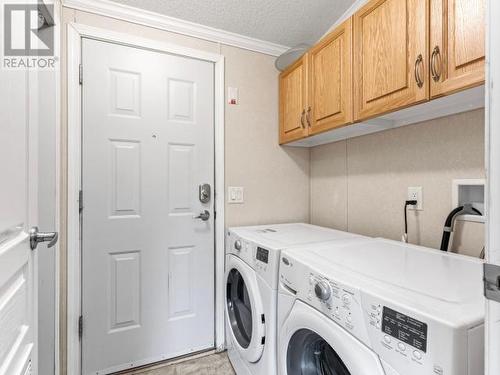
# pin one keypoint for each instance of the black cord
(408, 203)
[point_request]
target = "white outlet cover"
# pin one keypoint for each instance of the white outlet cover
(416, 193)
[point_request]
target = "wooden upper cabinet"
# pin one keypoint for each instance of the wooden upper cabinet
(330, 81)
(457, 44)
(390, 55)
(293, 96)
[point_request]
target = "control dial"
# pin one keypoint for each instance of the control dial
(237, 245)
(322, 290)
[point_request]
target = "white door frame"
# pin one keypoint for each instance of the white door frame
(492, 148)
(75, 33)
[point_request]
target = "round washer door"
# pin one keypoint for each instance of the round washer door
(244, 309)
(312, 344)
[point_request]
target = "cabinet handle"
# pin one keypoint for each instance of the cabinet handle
(308, 116)
(302, 119)
(418, 78)
(436, 54)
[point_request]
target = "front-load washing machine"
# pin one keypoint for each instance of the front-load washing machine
(251, 279)
(379, 308)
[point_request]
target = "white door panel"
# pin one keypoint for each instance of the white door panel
(18, 190)
(148, 265)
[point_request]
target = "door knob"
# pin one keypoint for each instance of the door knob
(36, 237)
(205, 215)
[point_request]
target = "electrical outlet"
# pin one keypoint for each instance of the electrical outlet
(415, 193)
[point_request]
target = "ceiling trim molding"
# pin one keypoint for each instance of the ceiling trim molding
(159, 21)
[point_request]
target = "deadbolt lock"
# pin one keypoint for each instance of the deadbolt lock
(204, 193)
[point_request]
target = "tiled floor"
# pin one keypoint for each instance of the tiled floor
(214, 364)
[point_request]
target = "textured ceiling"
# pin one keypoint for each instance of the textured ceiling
(286, 22)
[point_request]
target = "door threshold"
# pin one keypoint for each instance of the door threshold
(168, 362)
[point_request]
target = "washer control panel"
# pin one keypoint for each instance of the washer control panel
(237, 245)
(262, 255)
(398, 336)
(339, 302)
(323, 290)
(408, 330)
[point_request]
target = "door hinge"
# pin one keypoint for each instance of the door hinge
(80, 201)
(80, 74)
(80, 326)
(491, 281)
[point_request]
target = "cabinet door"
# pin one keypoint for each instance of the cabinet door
(293, 94)
(330, 81)
(390, 55)
(457, 43)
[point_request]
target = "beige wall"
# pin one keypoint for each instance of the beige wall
(361, 184)
(276, 179)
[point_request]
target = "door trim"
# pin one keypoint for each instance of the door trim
(75, 33)
(492, 150)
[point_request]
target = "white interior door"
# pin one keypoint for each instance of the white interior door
(18, 206)
(148, 263)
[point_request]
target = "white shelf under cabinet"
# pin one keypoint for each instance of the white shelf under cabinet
(463, 101)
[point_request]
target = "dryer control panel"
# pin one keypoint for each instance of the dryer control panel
(262, 260)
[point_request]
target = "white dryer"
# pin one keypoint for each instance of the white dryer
(251, 280)
(379, 308)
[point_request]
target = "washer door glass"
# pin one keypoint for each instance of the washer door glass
(309, 354)
(239, 308)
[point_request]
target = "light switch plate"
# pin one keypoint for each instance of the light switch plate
(235, 194)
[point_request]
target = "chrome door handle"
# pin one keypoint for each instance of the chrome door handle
(205, 215)
(36, 237)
